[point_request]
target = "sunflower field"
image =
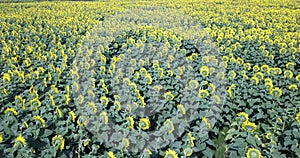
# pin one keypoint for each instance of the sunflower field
(114, 79)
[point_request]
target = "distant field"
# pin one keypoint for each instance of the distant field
(195, 78)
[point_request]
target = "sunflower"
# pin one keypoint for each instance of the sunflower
(298, 77)
(131, 122)
(240, 61)
(268, 135)
(244, 116)
(232, 74)
(256, 68)
(6, 77)
(203, 93)
(188, 151)
(247, 66)
(144, 123)
(244, 74)
(60, 114)
(73, 116)
(20, 140)
(12, 110)
(268, 80)
(255, 79)
(193, 84)
(182, 109)
(104, 116)
(205, 59)
(169, 96)
(259, 75)
(191, 139)
(269, 85)
(1, 138)
(298, 117)
(82, 121)
(41, 120)
(171, 154)
(293, 87)
(225, 58)
(169, 124)
(288, 74)
(276, 92)
(204, 69)
(104, 99)
(204, 119)
(126, 142)
(290, 65)
(58, 140)
(86, 142)
(278, 71)
(253, 153)
(247, 125)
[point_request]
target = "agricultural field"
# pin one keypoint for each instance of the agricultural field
(118, 79)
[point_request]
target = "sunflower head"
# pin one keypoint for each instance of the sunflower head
(231, 74)
(253, 153)
(131, 122)
(171, 154)
(203, 93)
(293, 87)
(288, 74)
(188, 151)
(243, 116)
(255, 80)
(256, 68)
(249, 126)
(278, 71)
(290, 65)
(168, 96)
(144, 123)
(204, 70)
(259, 75)
(298, 117)
(247, 66)
(277, 92)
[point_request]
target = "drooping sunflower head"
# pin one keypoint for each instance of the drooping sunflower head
(253, 153)
(131, 122)
(268, 135)
(58, 140)
(298, 117)
(293, 87)
(298, 77)
(169, 125)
